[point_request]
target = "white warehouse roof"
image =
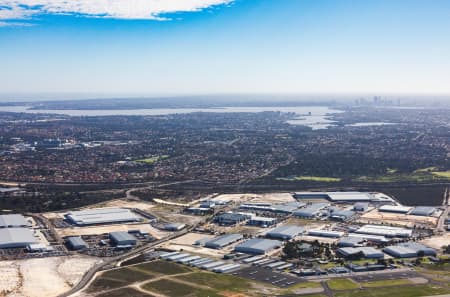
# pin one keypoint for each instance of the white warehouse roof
(395, 208)
(384, 231)
(16, 237)
(102, 216)
(12, 220)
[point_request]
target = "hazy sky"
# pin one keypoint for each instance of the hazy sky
(225, 46)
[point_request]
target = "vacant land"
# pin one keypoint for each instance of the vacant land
(175, 289)
(342, 284)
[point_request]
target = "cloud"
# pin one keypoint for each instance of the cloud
(13, 10)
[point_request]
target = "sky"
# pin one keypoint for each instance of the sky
(224, 46)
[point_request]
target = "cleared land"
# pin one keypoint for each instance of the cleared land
(44, 277)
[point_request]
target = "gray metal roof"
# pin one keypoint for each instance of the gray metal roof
(417, 247)
(16, 237)
(285, 232)
(122, 236)
(423, 211)
(102, 216)
(12, 220)
(223, 240)
(257, 245)
(77, 241)
(350, 241)
(310, 210)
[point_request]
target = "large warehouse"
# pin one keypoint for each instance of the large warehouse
(384, 231)
(77, 243)
(367, 252)
(16, 237)
(285, 232)
(311, 210)
(395, 208)
(102, 216)
(257, 246)
(409, 250)
(222, 241)
(13, 220)
(423, 211)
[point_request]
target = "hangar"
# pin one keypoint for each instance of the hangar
(102, 216)
(257, 246)
(16, 237)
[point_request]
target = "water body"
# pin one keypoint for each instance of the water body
(367, 124)
(316, 117)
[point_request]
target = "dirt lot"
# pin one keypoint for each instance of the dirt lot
(437, 242)
(43, 277)
(267, 198)
(190, 238)
(398, 219)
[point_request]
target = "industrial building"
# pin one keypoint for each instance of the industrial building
(285, 232)
(341, 215)
(386, 231)
(222, 241)
(349, 241)
(76, 243)
(262, 221)
(325, 233)
(361, 206)
(102, 216)
(122, 239)
(13, 220)
(231, 218)
(311, 210)
(427, 251)
(369, 237)
(400, 251)
(257, 246)
(16, 237)
(367, 252)
(423, 211)
(174, 227)
(288, 207)
(395, 208)
(39, 248)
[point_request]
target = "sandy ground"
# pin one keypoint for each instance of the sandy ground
(268, 198)
(437, 242)
(43, 277)
(398, 219)
(142, 205)
(96, 230)
(190, 238)
(196, 250)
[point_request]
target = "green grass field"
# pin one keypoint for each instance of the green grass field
(402, 291)
(174, 289)
(162, 267)
(152, 160)
(342, 284)
(129, 292)
(129, 275)
(386, 283)
(445, 174)
(218, 281)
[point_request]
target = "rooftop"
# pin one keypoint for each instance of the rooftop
(12, 220)
(102, 216)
